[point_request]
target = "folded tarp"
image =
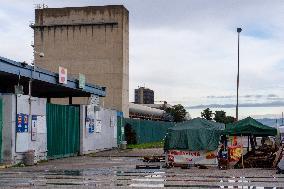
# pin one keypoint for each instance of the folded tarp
(195, 135)
(249, 126)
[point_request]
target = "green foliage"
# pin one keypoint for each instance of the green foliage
(230, 119)
(147, 145)
(220, 116)
(20, 164)
(178, 112)
(207, 114)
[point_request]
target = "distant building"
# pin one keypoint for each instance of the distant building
(87, 40)
(144, 96)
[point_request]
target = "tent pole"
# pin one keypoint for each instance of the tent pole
(248, 143)
(242, 151)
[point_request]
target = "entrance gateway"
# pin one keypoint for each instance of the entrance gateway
(63, 126)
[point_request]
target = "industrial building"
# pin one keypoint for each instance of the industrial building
(29, 122)
(93, 41)
(144, 96)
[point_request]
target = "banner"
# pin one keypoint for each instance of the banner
(235, 153)
(192, 157)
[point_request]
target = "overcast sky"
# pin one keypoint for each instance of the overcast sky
(186, 50)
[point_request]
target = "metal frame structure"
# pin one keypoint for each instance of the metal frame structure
(46, 82)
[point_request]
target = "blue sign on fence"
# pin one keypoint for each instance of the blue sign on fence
(22, 124)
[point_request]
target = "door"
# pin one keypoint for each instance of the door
(63, 127)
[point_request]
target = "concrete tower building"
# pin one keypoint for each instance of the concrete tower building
(89, 40)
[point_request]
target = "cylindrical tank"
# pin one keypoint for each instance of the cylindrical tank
(137, 108)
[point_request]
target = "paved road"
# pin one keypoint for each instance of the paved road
(120, 172)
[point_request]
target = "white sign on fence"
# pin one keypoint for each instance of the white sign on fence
(98, 128)
(34, 127)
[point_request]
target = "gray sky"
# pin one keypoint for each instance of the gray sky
(185, 50)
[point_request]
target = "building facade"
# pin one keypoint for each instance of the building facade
(93, 41)
(144, 96)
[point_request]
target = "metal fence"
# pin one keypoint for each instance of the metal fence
(63, 127)
(145, 130)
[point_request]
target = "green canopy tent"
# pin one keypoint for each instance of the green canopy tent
(249, 127)
(196, 134)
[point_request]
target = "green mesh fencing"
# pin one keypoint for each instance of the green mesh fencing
(146, 131)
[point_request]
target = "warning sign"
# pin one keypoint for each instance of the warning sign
(62, 75)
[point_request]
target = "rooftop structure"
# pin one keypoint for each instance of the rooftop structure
(44, 83)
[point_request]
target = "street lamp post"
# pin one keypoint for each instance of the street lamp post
(41, 54)
(238, 75)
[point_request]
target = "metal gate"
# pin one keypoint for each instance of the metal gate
(63, 127)
(1, 126)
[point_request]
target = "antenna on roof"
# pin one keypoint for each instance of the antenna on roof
(37, 6)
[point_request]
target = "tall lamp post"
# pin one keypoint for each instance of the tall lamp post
(41, 54)
(238, 75)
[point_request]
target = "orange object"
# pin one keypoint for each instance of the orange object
(235, 152)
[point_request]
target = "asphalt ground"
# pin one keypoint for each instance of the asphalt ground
(106, 170)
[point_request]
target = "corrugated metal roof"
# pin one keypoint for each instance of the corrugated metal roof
(45, 83)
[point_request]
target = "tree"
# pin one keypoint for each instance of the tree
(178, 112)
(207, 114)
(230, 119)
(220, 116)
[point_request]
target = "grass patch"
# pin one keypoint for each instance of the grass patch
(42, 161)
(20, 164)
(147, 145)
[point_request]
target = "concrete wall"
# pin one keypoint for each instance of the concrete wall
(14, 143)
(97, 141)
(82, 40)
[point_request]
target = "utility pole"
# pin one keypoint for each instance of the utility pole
(238, 75)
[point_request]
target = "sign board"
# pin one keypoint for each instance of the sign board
(22, 124)
(98, 126)
(192, 157)
(90, 125)
(235, 153)
(62, 75)
(94, 100)
(90, 119)
(82, 81)
(34, 127)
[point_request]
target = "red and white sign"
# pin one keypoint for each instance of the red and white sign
(62, 75)
(192, 157)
